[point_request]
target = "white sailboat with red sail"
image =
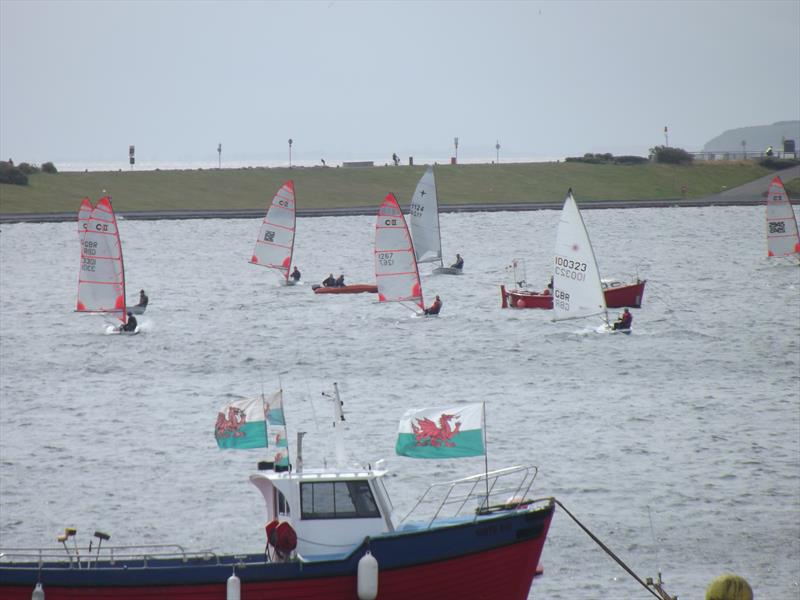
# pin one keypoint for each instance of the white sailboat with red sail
(782, 236)
(396, 271)
(275, 242)
(101, 279)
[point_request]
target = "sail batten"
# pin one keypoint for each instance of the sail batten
(396, 271)
(275, 243)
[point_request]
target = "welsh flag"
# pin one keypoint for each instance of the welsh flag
(241, 424)
(442, 433)
(276, 425)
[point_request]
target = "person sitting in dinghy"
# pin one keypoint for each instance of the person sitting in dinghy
(143, 299)
(549, 289)
(624, 321)
(459, 264)
(434, 308)
(339, 281)
(295, 275)
(329, 281)
(130, 324)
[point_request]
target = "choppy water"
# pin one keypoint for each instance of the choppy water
(693, 420)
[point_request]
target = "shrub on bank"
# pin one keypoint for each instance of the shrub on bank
(27, 168)
(607, 159)
(776, 164)
(11, 174)
(672, 156)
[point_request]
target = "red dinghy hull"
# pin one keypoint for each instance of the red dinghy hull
(355, 288)
(617, 296)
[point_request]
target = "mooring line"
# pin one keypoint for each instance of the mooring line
(608, 551)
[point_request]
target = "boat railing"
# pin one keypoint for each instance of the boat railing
(476, 495)
(87, 557)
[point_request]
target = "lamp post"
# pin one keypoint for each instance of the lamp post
(497, 148)
(219, 153)
(290, 153)
(744, 149)
(666, 136)
(455, 143)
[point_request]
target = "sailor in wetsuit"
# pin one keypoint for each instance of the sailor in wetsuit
(295, 275)
(459, 264)
(143, 299)
(624, 321)
(130, 324)
(329, 281)
(434, 308)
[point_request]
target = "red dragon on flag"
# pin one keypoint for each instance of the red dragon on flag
(428, 433)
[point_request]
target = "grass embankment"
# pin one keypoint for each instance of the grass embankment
(319, 187)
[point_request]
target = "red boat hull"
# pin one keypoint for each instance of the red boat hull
(616, 297)
(487, 558)
(356, 288)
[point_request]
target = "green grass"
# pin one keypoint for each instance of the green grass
(319, 187)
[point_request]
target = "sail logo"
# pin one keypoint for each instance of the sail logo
(269, 236)
(102, 227)
(777, 227)
(390, 222)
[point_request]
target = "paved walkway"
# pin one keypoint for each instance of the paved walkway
(748, 194)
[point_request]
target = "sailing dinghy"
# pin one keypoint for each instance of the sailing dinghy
(275, 243)
(577, 290)
(424, 224)
(101, 279)
(782, 237)
(396, 271)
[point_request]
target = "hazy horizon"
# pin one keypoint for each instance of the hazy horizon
(81, 81)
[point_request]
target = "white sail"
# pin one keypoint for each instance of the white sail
(423, 220)
(577, 291)
(396, 272)
(275, 242)
(782, 236)
(101, 280)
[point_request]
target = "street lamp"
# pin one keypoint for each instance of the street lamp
(666, 137)
(455, 143)
(290, 153)
(219, 152)
(497, 147)
(744, 149)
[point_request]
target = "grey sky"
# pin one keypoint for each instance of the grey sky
(80, 81)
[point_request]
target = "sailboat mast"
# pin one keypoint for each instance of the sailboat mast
(438, 224)
(338, 425)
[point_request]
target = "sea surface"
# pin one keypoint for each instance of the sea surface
(678, 446)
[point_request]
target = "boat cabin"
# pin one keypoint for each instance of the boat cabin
(331, 511)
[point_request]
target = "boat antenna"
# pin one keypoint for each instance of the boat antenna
(485, 453)
(338, 424)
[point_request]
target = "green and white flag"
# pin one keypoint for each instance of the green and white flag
(441, 433)
(241, 424)
(276, 426)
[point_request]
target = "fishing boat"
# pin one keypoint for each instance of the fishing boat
(396, 271)
(423, 221)
(101, 279)
(353, 288)
(275, 243)
(782, 236)
(332, 533)
(577, 288)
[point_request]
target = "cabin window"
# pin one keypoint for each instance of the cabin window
(338, 500)
(283, 505)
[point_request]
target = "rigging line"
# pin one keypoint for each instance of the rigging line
(607, 550)
(653, 534)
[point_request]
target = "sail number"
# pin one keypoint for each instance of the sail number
(561, 299)
(570, 269)
(89, 247)
(386, 259)
(88, 264)
(417, 209)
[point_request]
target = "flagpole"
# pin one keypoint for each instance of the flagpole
(485, 452)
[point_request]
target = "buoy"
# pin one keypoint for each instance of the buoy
(234, 588)
(38, 592)
(367, 577)
(729, 587)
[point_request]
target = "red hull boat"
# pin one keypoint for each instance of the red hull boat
(618, 295)
(355, 288)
